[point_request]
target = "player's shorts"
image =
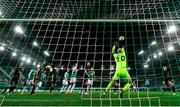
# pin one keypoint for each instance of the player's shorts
(90, 82)
(166, 80)
(65, 82)
(39, 84)
(147, 86)
(73, 80)
(30, 82)
(14, 81)
(122, 73)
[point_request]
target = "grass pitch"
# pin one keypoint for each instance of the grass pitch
(93, 99)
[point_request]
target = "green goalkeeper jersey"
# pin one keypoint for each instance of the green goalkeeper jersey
(120, 58)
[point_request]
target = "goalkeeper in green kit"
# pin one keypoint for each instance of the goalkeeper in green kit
(121, 68)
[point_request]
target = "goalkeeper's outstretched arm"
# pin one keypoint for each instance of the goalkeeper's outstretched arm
(122, 43)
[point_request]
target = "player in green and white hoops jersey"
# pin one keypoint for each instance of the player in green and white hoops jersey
(30, 80)
(65, 81)
(72, 79)
(91, 75)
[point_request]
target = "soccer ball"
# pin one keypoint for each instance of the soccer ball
(121, 38)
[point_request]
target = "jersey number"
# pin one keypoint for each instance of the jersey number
(123, 58)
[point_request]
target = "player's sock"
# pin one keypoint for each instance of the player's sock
(51, 89)
(62, 89)
(33, 89)
(109, 86)
(72, 88)
(5, 90)
(65, 87)
(68, 89)
(23, 90)
(173, 89)
(87, 88)
(126, 87)
(10, 89)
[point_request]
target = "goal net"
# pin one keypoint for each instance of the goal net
(65, 32)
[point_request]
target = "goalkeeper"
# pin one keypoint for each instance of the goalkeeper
(121, 69)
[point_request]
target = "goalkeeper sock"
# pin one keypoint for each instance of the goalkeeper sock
(126, 87)
(115, 88)
(109, 86)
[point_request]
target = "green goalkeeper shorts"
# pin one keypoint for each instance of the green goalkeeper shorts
(123, 74)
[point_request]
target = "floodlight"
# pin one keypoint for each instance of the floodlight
(18, 29)
(38, 65)
(148, 59)
(170, 48)
(141, 52)
(34, 63)
(171, 29)
(160, 53)
(23, 58)
(14, 54)
(2, 48)
(35, 43)
(28, 60)
(46, 53)
(153, 43)
(146, 66)
(155, 56)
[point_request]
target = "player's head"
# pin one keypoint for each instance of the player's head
(88, 64)
(21, 65)
(165, 68)
(76, 64)
(44, 63)
(118, 50)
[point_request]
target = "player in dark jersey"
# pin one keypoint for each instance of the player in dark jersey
(53, 78)
(85, 76)
(15, 78)
(167, 79)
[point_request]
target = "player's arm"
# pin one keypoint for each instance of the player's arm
(114, 51)
(12, 73)
(122, 44)
(29, 75)
(85, 72)
(94, 76)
